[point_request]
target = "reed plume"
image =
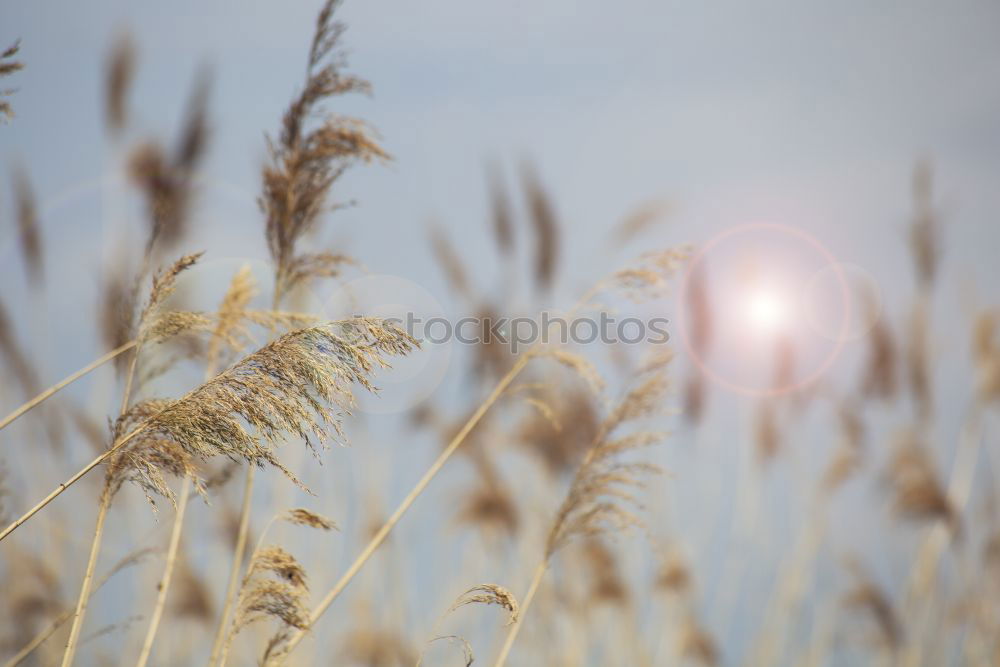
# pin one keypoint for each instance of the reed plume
(305, 162)
(8, 65)
(167, 178)
(483, 594)
(274, 587)
(601, 499)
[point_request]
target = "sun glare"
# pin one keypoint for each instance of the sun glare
(766, 310)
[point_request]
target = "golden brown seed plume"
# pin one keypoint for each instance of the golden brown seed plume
(303, 517)
(298, 385)
(167, 178)
(304, 162)
(916, 487)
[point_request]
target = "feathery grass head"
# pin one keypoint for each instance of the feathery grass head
(166, 178)
(305, 162)
(561, 442)
(916, 487)
(156, 323)
(297, 385)
(275, 587)
(489, 594)
(303, 517)
(148, 460)
(7, 67)
(484, 594)
(601, 493)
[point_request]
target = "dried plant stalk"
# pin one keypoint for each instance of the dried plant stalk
(65, 382)
(129, 560)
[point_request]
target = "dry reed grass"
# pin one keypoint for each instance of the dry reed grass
(301, 386)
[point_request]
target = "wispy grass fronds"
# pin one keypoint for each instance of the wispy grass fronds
(601, 499)
(600, 494)
(303, 517)
(577, 413)
(8, 65)
(483, 594)
(275, 588)
(489, 594)
(297, 385)
(306, 161)
(916, 486)
(156, 322)
(166, 178)
(580, 365)
(148, 460)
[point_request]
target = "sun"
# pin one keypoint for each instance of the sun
(766, 310)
